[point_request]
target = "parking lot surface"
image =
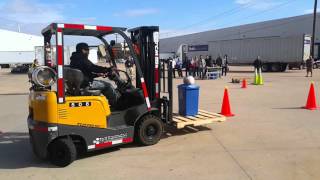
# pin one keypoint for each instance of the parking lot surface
(271, 137)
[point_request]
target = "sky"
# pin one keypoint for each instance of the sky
(175, 17)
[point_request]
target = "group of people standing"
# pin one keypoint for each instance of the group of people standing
(197, 66)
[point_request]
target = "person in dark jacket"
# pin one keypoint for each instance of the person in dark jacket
(79, 60)
(209, 62)
(219, 61)
(309, 65)
(257, 63)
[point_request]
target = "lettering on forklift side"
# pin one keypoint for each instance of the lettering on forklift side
(79, 104)
(110, 138)
(88, 125)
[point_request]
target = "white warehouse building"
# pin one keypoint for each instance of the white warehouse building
(278, 42)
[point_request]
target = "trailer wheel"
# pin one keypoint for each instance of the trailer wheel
(315, 66)
(265, 67)
(275, 67)
(62, 152)
(149, 130)
(284, 67)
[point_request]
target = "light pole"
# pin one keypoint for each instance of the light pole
(314, 28)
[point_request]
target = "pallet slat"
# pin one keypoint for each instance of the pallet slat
(210, 113)
(222, 118)
(192, 118)
(177, 120)
(205, 114)
(204, 117)
(183, 118)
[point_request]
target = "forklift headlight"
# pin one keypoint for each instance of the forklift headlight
(44, 76)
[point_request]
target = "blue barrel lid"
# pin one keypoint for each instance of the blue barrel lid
(186, 86)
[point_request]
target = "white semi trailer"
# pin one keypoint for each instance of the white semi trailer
(181, 53)
(277, 53)
(8, 58)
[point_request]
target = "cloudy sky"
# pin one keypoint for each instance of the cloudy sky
(175, 17)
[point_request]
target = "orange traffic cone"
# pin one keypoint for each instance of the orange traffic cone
(225, 109)
(244, 84)
(311, 101)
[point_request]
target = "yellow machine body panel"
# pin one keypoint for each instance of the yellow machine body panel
(43, 105)
(87, 111)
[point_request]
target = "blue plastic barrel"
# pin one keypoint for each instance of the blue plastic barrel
(188, 99)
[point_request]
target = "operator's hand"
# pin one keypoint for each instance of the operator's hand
(113, 70)
(102, 75)
(110, 70)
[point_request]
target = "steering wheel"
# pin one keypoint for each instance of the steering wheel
(127, 80)
(122, 85)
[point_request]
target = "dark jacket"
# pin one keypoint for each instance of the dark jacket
(257, 63)
(219, 61)
(209, 62)
(309, 63)
(81, 62)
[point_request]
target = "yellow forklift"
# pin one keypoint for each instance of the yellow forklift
(65, 118)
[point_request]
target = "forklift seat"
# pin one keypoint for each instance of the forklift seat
(74, 78)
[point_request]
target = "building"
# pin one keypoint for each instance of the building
(286, 27)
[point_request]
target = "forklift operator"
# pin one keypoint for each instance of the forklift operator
(79, 60)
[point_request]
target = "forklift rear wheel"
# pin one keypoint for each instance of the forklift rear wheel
(149, 130)
(62, 152)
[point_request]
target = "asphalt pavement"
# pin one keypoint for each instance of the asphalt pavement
(270, 137)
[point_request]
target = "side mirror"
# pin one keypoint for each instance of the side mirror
(102, 50)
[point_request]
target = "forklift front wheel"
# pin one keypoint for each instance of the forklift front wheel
(149, 130)
(62, 152)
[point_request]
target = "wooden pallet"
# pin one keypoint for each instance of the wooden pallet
(203, 118)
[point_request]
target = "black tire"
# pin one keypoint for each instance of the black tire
(265, 68)
(315, 66)
(284, 67)
(62, 152)
(275, 67)
(149, 130)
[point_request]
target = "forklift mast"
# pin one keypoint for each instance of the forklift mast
(146, 44)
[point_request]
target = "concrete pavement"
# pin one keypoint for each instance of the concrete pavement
(270, 137)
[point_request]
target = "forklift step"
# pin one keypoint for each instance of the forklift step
(202, 118)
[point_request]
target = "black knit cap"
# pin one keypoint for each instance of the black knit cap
(81, 46)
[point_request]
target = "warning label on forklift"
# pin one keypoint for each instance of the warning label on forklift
(110, 138)
(79, 104)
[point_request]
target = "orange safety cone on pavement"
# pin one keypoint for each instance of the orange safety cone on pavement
(311, 101)
(225, 109)
(244, 84)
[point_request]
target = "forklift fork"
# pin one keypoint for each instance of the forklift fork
(166, 101)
